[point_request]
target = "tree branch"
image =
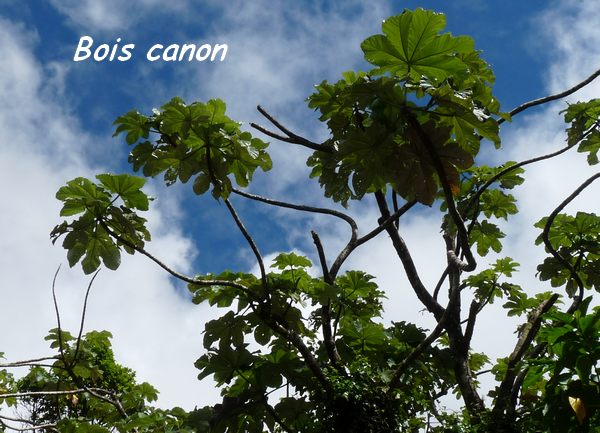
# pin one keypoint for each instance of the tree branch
(328, 338)
(554, 97)
(424, 345)
(87, 293)
(32, 426)
(507, 170)
(556, 254)
(184, 278)
(296, 340)
(251, 243)
(291, 137)
(303, 208)
(28, 362)
(526, 336)
(409, 267)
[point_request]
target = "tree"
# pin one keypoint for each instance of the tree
(299, 353)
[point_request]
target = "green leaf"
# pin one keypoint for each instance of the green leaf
(290, 260)
(180, 118)
(128, 187)
(134, 125)
(486, 236)
(201, 184)
(411, 46)
(497, 203)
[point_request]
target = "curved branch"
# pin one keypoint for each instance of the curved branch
(391, 220)
(87, 293)
(184, 278)
(554, 252)
(507, 170)
(554, 97)
(56, 310)
(250, 240)
(303, 208)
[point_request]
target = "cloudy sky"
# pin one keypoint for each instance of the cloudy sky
(56, 123)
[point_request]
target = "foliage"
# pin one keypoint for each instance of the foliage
(295, 352)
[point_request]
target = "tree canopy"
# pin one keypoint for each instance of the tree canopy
(299, 350)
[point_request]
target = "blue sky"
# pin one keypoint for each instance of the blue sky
(56, 123)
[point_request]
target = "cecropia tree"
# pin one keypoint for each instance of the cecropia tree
(295, 352)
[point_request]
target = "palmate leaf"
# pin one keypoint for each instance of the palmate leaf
(87, 238)
(411, 46)
(127, 187)
(486, 236)
(134, 125)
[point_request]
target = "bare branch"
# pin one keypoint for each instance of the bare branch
(42, 393)
(184, 278)
(392, 220)
(417, 351)
(475, 199)
(299, 207)
(328, 338)
(291, 137)
(56, 310)
(251, 243)
(554, 97)
(409, 266)
(32, 425)
(28, 362)
(87, 294)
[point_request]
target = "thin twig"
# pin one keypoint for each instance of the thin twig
(303, 208)
(184, 278)
(87, 294)
(292, 138)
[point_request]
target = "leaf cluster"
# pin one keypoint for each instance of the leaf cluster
(428, 98)
(88, 238)
(193, 141)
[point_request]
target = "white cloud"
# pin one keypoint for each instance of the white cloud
(570, 31)
(157, 331)
(113, 15)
